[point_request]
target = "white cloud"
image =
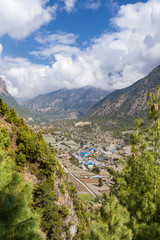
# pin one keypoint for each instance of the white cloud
(114, 60)
(22, 76)
(69, 5)
(1, 49)
(25, 79)
(112, 5)
(67, 51)
(60, 43)
(20, 18)
(92, 4)
(58, 38)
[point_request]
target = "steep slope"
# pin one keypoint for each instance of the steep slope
(63, 215)
(4, 94)
(11, 102)
(127, 102)
(66, 103)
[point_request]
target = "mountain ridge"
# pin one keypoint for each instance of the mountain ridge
(12, 103)
(127, 102)
(66, 103)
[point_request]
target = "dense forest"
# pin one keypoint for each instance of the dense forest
(37, 211)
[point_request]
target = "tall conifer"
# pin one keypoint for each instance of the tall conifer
(139, 183)
(111, 222)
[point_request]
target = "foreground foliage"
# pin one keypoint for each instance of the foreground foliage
(132, 213)
(139, 183)
(111, 222)
(17, 220)
(29, 151)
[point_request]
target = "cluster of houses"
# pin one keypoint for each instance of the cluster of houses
(84, 156)
(86, 161)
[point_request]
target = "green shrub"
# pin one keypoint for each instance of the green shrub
(62, 188)
(4, 137)
(21, 159)
(64, 211)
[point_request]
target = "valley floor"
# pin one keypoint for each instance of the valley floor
(86, 154)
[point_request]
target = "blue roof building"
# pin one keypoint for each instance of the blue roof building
(113, 150)
(83, 154)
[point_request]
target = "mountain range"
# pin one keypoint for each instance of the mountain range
(88, 102)
(66, 103)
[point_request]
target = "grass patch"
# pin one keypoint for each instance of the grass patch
(87, 198)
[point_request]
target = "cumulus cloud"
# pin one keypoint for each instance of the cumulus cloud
(69, 5)
(60, 43)
(23, 77)
(20, 18)
(114, 60)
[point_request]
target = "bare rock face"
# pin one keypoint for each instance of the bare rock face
(3, 88)
(72, 219)
(127, 102)
(6, 96)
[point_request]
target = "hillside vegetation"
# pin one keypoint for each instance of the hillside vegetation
(61, 213)
(133, 212)
(130, 211)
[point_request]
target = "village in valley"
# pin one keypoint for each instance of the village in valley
(89, 156)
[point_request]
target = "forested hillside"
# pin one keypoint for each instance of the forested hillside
(130, 211)
(52, 204)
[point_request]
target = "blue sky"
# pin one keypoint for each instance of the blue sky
(47, 45)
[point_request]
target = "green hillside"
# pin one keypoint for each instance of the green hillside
(53, 197)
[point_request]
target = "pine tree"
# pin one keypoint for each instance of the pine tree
(3, 108)
(139, 183)
(17, 221)
(111, 223)
(100, 182)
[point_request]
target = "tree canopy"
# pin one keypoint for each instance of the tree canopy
(139, 183)
(17, 219)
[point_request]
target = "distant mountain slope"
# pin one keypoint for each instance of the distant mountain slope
(66, 103)
(11, 102)
(127, 102)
